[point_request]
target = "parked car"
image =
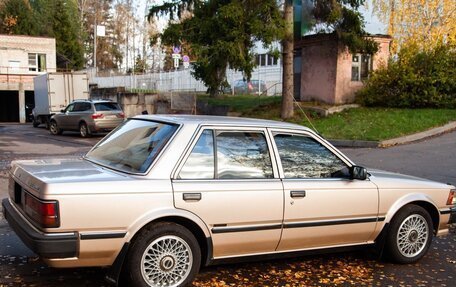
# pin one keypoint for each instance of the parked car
(253, 87)
(164, 195)
(87, 117)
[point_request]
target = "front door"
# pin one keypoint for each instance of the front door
(323, 206)
(229, 180)
(63, 119)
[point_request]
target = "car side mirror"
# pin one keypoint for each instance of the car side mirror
(62, 111)
(358, 172)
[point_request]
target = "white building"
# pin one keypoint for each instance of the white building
(21, 59)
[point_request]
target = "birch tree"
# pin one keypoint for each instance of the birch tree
(424, 24)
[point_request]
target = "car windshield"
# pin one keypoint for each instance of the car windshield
(133, 146)
(107, 107)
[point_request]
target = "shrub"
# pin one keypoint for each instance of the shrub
(425, 79)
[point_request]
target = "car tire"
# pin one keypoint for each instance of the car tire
(166, 250)
(54, 128)
(35, 123)
(84, 130)
(410, 234)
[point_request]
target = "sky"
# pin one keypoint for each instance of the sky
(373, 24)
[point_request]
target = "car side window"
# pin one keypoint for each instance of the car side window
(86, 107)
(242, 155)
(69, 108)
(200, 163)
(78, 107)
(304, 157)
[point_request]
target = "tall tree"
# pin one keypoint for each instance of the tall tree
(423, 24)
(17, 17)
(287, 109)
(59, 19)
(108, 47)
(221, 34)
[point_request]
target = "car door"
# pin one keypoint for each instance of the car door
(323, 206)
(76, 115)
(229, 179)
(63, 120)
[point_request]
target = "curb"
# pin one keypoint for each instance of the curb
(419, 136)
(354, 143)
(396, 141)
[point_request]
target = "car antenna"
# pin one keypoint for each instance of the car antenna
(308, 119)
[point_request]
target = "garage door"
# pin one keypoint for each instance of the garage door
(9, 106)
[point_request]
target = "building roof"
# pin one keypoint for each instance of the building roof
(26, 36)
(323, 37)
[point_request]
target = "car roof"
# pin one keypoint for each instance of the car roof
(219, 120)
(93, 101)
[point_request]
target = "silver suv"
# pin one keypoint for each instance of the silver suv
(87, 117)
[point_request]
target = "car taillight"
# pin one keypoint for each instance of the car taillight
(121, 115)
(97, 116)
(45, 213)
(452, 197)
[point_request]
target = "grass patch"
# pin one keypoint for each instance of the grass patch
(380, 123)
(241, 103)
(374, 124)
(141, 91)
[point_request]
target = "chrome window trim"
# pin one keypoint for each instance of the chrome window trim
(318, 139)
(220, 128)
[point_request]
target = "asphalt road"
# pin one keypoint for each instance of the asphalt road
(434, 159)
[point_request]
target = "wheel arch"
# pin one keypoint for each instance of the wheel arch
(189, 221)
(421, 200)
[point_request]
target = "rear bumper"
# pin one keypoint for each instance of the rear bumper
(104, 126)
(46, 245)
(452, 215)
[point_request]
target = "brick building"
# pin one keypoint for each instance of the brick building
(21, 59)
(326, 71)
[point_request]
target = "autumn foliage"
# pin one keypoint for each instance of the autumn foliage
(422, 23)
(414, 80)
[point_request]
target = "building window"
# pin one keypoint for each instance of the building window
(37, 62)
(272, 60)
(14, 66)
(361, 66)
(265, 60)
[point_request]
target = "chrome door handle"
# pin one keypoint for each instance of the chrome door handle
(298, 193)
(191, 196)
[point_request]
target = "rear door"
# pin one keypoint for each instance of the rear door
(229, 179)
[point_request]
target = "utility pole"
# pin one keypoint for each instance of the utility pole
(95, 40)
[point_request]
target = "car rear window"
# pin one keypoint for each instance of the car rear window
(133, 146)
(107, 107)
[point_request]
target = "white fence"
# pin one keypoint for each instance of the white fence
(182, 80)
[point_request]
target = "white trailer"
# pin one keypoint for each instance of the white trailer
(54, 91)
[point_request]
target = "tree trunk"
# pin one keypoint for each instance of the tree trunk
(287, 59)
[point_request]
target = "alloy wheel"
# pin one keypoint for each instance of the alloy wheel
(413, 235)
(166, 262)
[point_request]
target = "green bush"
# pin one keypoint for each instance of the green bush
(424, 79)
